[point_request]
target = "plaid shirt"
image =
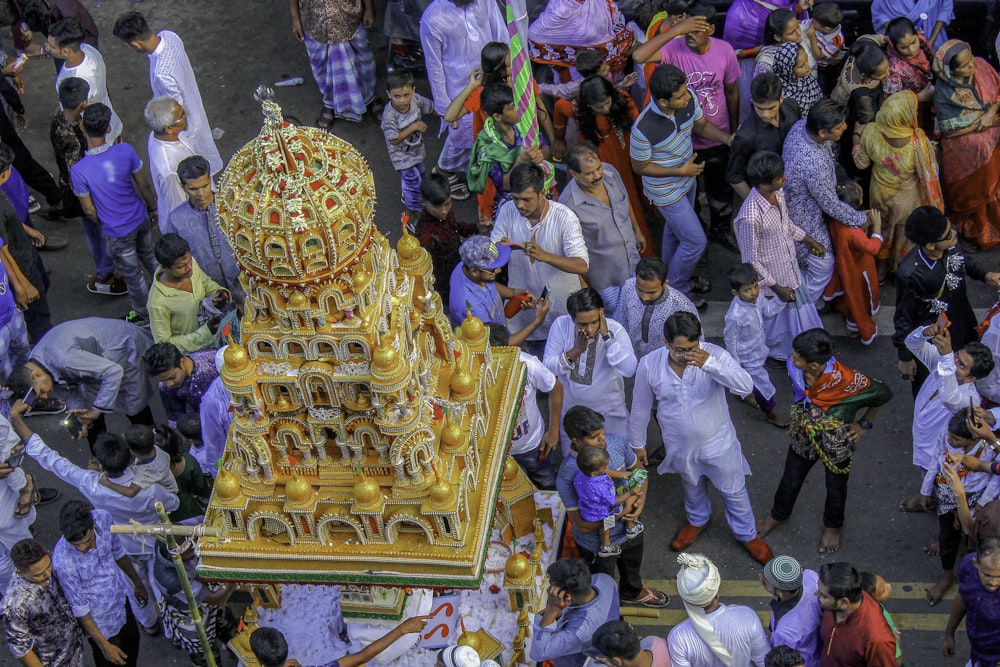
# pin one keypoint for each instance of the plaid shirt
(767, 236)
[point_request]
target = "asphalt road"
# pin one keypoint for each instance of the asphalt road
(235, 46)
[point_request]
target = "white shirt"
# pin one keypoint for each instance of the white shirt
(529, 427)
(559, 233)
(698, 433)
(171, 75)
(164, 156)
(597, 379)
(737, 627)
(122, 509)
(92, 71)
(939, 398)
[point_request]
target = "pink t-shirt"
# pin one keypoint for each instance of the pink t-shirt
(707, 76)
(658, 647)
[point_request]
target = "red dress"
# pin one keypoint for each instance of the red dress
(854, 287)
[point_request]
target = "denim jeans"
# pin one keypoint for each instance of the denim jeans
(411, 178)
(14, 346)
(131, 253)
(683, 240)
(542, 473)
(98, 250)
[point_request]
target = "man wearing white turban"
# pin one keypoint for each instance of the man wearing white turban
(715, 634)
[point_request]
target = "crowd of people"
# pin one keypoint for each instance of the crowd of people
(829, 168)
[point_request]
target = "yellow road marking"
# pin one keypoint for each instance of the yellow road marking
(901, 590)
(933, 622)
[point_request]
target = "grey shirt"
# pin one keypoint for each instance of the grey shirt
(410, 151)
(97, 362)
(607, 230)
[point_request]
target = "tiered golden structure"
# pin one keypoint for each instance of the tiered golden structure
(369, 439)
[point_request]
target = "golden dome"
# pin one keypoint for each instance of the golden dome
(298, 490)
(298, 300)
(366, 491)
(510, 469)
(473, 328)
(451, 436)
(385, 356)
(296, 203)
(227, 485)
(470, 639)
(236, 357)
(518, 567)
(408, 247)
(441, 493)
(462, 383)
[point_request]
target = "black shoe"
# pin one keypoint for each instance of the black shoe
(726, 239)
(47, 495)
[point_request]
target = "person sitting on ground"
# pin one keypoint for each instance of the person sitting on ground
(271, 649)
(599, 500)
(175, 300)
(621, 646)
(183, 379)
(744, 336)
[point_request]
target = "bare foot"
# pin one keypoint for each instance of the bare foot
(775, 419)
(916, 503)
(937, 591)
(933, 547)
(766, 525)
(829, 541)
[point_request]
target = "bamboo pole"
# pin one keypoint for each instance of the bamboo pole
(162, 530)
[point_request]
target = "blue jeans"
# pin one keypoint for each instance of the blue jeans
(683, 240)
(14, 346)
(411, 178)
(542, 473)
(98, 250)
(131, 253)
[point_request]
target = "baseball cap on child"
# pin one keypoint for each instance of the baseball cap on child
(478, 252)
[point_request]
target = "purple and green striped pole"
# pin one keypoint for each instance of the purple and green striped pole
(524, 88)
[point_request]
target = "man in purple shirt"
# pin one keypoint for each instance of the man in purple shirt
(978, 602)
(116, 195)
(183, 379)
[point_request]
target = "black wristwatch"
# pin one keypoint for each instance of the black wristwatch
(606, 338)
(865, 424)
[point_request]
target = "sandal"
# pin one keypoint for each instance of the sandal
(649, 597)
(375, 108)
(700, 285)
(33, 499)
(326, 119)
(696, 301)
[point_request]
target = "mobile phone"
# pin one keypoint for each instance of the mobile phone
(21, 59)
(972, 414)
(15, 460)
(73, 425)
(942, 322)
(545, 294)
(28, 395)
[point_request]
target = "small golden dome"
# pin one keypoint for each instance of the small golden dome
(408, 247)
(366, 491)
(462, 383)
(385, 356)
(283, 404)
(227, 485)
(441, 493)
(518, 568)
(298, 300)
(473, 328)
(470, 639)
(510, 469)
(236, 357)
(451, 435)
(298, 490)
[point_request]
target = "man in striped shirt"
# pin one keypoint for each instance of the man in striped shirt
(661, 152)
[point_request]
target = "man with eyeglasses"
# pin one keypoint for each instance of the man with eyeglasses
(167, 120)
(40, 626)
(931, 281)
(689, 379)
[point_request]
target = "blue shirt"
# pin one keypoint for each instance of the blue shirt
(665, 141)
(92, 581)
(567, 642)
(484, 302)
(7, 305)
(17, 192)
(622, 457)
(105, 173)
(209, 245)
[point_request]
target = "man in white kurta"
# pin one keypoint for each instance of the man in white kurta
(167, 147)
(942, 395)
(689, 379)
(13, 528)
(554, 231)
(595, 377)
(453, 34)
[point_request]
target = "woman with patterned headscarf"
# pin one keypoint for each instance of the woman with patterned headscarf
(797, 81)
(967, 102)
(904, 170)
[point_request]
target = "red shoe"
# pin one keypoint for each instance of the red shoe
(686, 536)
(759, 550)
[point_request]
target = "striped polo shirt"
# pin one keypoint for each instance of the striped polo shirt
(665, 141)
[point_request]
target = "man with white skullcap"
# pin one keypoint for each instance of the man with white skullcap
(795, 611)
(714, 634)
(458, 656)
